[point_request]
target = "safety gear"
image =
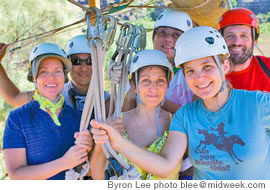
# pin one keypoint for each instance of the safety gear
(76, 60)
(239, 16)
(174, 19)
(43, 51)
(149, 58)
(199, 42)
(78, 44)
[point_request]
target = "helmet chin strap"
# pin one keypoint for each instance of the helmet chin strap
(253, 40)
(221, 72)
(33, 71)
(222, 76)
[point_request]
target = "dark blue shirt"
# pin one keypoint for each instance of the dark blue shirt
(31, 128)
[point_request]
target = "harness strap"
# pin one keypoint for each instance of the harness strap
(263, 66)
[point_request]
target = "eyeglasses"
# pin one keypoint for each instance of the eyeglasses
(164, 33)
(75, 60)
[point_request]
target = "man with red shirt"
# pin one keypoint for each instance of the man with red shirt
(239, 27)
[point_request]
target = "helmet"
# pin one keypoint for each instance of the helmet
(174, 19)
(149, 58)
(199, 42)
(239, 16)
(43, 51)
(78, 44)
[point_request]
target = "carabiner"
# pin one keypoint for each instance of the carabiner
(96, 31)
(129, 33)
(109, 28)
(142, 39)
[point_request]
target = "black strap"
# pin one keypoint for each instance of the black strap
(264, 67)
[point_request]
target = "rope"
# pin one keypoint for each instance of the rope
(48, 33)
(57, 30)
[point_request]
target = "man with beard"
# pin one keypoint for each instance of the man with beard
(240, 30)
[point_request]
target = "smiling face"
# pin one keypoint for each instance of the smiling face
(152, 85)
(50, 78)
(203, 76)
(165, 40)
(239, 41)
(81, 74)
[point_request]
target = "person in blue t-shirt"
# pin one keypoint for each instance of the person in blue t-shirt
(41, 138)
(227, 131)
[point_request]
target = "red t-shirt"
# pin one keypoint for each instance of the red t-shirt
(252, 78)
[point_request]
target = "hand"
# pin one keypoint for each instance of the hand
(102, 132)
(3, 48)
(74, 156)
(84, 140)
(115, 72)
(117, 124)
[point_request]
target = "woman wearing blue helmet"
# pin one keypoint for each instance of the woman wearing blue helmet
(41, 138)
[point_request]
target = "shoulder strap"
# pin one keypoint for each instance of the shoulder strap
(263, 66)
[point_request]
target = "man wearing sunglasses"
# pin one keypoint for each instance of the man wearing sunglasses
(74, 91)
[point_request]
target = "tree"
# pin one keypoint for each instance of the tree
(24, 18)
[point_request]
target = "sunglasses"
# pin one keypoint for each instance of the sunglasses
(75, 60)
(164, 33)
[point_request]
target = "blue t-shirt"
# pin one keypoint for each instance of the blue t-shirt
(31, 128)
(232, 143)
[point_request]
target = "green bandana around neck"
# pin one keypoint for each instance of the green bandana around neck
(52, 107)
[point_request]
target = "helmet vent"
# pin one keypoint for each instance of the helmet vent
(35, 50)
(252, 16)
(135, 59)
(71, 44)
(210, 40)
(160, 16)
(188, 23)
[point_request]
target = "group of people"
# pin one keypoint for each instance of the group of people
(214, 110)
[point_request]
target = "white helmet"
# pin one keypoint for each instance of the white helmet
(78, 44)
(149, 58)
(43, 51)
(174, 19)
(199, 42)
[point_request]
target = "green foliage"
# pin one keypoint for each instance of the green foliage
(234, 3)
(24, 18)
(264, 22)
(21, 19)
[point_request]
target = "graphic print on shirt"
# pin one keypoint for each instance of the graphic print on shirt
(220, 142)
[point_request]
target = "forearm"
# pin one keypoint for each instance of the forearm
(10, 92)
(38, 172)
(156, 164)
(98, 162)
